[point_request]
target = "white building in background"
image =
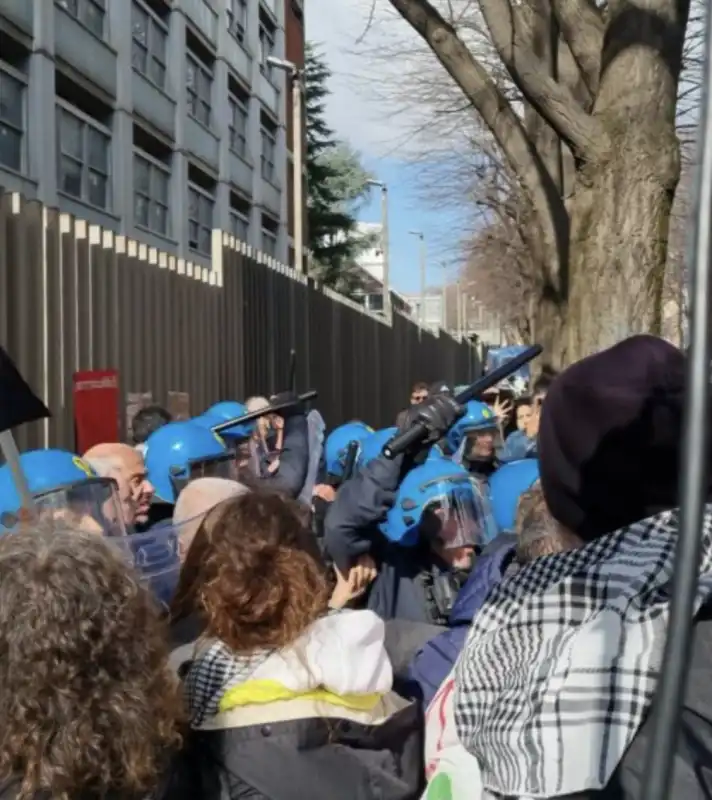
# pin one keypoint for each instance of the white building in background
(370, 263)
(434, 308)
(371, 260)
(480, 322)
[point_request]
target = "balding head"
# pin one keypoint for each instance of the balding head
(125, 465)
(115, 452)
(256, 403)
(195, 501)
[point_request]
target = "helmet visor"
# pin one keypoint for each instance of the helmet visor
(92, 505)
(482, 442)
(215, 467)
(457, 517)
(155, 557)
(222, 466)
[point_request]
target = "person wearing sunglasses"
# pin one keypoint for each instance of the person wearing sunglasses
(418, 394)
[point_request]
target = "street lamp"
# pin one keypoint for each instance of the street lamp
(385, 244)
(421, 236)
(295, 76)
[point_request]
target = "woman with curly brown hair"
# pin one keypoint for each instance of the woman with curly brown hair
(288, 698)
(87, 705)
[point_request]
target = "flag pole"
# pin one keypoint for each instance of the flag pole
(11, 454)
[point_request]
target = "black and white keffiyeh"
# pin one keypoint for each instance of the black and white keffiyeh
(562, 660)
(212, 673)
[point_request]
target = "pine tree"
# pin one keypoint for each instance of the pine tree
(332, 186)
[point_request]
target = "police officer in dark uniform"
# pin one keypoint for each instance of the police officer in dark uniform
(420, 523)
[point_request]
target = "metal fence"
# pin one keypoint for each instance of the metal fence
(76, 297)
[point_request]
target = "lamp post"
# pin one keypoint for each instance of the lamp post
(421, 237)
(459, 309)
(385, 245)
(295, 76)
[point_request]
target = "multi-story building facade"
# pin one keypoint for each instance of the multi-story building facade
(158, 119)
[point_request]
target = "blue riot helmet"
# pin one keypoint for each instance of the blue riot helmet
(478, 418)
(65, 490)
(224, 412)
(179, 452)
(506, 485)
(441, 502)
(337, 445)
(373, 444)
(435, 452)
(237, 438)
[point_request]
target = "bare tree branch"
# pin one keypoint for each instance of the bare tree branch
(552, 100)
(581, 25)
(369, 22)
(498, 115)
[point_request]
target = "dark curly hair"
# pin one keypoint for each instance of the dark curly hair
(253, 574)
(87, 704)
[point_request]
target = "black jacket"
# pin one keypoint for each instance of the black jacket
(293, 459)
(364, 499)
(304, 759)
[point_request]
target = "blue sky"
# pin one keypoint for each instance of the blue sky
(407, 212)
(365, 120)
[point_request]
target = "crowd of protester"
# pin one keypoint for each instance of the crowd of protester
(482, 616)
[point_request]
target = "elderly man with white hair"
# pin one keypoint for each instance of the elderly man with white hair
(126, 466)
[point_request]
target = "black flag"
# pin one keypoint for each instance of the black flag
(18, 403)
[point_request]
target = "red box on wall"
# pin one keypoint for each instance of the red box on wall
(96, 407)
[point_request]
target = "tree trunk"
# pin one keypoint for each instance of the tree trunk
(620, 209)
(602, 249)
(549, 329)
(620, 215)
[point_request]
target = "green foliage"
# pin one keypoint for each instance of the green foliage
(349, 180)
(337, 184)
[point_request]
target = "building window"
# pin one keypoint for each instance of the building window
(200, 220)
(237, 19)
(374, 302)
(200, 84)
(151, 192)
(12, 117)
(91, 13)
(269, 242)
(149, 44)
(239, 226)
(84, 150)
(269, 147)
(266, 49)
(240, 211)
(239, 117)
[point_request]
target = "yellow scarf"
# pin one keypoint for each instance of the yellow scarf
(260, 692)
